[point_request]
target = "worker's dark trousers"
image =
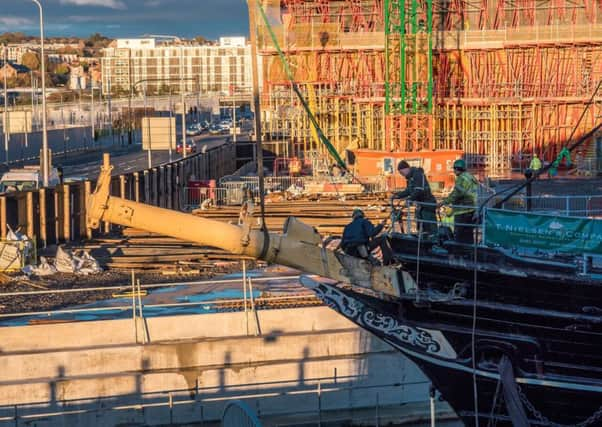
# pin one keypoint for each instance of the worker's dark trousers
(464, 228)
(426, 216)
(379, 241)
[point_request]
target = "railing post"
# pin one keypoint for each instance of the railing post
(197, 398)
(377, 410)
(319, 404)
(432, 402)
(170, 397)
(3, 228)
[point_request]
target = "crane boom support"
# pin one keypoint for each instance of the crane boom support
(299, 246)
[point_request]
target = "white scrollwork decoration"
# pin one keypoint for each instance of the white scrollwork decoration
(428, 341)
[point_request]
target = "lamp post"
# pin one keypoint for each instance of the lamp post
(183, 101)
(183, 127)
(92, 114)
(5, 115)
(177, 39)
(45, 160)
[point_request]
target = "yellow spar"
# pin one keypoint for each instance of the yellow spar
(299, 246)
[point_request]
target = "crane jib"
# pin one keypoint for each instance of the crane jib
(323, 139)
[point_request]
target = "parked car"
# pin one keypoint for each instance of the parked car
(190, 146)
(194, 129)
(215, 129)
(225, 125)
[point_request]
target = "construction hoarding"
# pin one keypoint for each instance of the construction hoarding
(19, 121)
(158, 133)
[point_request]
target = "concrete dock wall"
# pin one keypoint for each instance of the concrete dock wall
(305, 359)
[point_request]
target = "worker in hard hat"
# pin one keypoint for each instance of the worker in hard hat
(418, 190)
(360, 238)
(463, 199)
(535, 163)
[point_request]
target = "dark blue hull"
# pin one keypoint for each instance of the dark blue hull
(558, 387)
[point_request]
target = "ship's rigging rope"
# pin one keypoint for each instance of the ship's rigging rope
(331, 149)
(492, 418)
(473, 332)
(418, 262)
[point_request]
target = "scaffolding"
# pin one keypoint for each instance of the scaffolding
(499, 79)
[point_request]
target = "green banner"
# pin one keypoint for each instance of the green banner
(543, 232)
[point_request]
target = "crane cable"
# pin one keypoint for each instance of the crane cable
(331, 149)
(323, 139)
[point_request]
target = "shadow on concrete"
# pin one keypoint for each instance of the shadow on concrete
(300, 388)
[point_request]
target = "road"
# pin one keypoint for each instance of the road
(129, 159)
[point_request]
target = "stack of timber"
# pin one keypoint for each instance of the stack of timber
(328, 216)
(141, 250)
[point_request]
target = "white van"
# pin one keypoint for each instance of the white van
(27, 178)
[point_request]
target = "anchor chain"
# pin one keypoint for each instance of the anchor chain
(592, 420)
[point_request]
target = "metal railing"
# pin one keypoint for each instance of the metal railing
(206, 305)
(407, 220)
(582, 206)
(202, 398)
(231, 189)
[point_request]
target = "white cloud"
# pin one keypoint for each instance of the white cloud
(14, 22)
(112, 4)
(152, 3)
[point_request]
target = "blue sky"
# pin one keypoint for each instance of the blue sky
(128, 18)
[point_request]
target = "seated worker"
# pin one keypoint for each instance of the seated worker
(359, 238)
(418, 190)
(463, 199)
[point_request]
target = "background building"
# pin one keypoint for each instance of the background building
(12, 70)
(216, 69)
(499, 80)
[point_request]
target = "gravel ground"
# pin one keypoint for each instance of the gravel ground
(47, 302)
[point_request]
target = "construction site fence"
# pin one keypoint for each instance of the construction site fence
(233, 190)
(57, 214)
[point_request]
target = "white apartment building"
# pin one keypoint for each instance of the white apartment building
(157, 67)
(16, 51)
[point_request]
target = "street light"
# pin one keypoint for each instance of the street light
(133, 87)
(176, 38)
(45, 162)
(5, 115)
